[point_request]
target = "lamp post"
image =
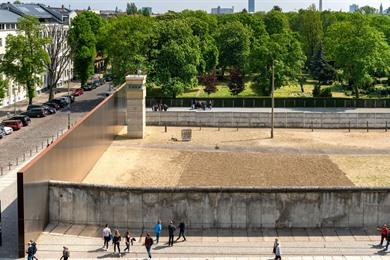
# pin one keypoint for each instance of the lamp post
(69, 102)
(272, 99)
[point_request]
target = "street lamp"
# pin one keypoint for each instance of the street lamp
(272, 99)
(69, 102)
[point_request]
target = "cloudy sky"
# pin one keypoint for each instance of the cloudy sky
(178, 5)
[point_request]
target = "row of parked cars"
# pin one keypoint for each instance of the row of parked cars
(96, 82)
(16, 122)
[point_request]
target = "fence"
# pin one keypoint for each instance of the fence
(279, 102)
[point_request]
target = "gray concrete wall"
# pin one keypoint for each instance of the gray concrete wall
(219, 207)
(262, 119)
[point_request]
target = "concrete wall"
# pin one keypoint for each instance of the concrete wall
(259, 119)
(219, 207)
(69, 158)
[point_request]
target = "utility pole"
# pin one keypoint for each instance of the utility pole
(70, 101)
(272, 99)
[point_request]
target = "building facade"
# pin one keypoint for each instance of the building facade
(9, 16)
(251, 6)
(353, 8)
(220, 10)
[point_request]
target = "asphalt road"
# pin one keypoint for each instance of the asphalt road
(41, 130)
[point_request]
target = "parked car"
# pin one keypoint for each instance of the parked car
(48, 109)
(7, 130)
(36, 112)
(102, 81)
(14, 124)
(62, 103)
(78, 92)
(2, 133)
(87, 87)
(26, 120)
(52, 105)
(95, 84)
(69, 98)
(108, 78)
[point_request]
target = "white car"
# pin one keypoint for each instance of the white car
(7, 130)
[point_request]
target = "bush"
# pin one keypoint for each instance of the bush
(326, 92)
(317, 90)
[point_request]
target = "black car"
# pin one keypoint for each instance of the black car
(61, 102)
(52, 105)
(71, 97)
(48, 109)
(35, 112)
(26, 120)
(2, 133)
(87, 87)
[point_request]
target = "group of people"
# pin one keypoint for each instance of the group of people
(196, 104)
(32, 250)
(385, 235)
(160, 107)
(116, 238)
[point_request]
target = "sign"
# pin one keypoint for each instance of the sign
(186, 135)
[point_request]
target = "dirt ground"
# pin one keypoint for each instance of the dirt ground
(247, 157)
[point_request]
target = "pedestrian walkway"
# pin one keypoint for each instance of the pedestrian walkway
(84, 242)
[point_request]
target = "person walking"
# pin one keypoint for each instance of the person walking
(65, 253)
(171, 233)
(157, 230)
(106, 236)
(277, 251)
(384, 230)
(388, 241)
(30, 252)
(34, 249)
(127, 241)
(182, 228)
(116, 240)
(148, 245)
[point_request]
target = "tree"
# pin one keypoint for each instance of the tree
(358, 50)
(25, 57)
(276, 22)
(321, 69)
(59, 55)
(82, 41)
(3, 88)
(233, 40)
(131, 9)
(368, 10)
(236, 82)
(175, 58)
(210, 82)
(310, 31)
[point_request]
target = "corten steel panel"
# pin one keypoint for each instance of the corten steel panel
(69, 158)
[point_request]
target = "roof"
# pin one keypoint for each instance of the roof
(8, 17)
(33, 10)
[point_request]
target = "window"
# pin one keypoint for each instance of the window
(2, 26)
(1, 42)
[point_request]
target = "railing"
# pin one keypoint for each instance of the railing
(279, 102)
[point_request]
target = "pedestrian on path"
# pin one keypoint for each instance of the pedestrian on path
(65, 253)
(171, 232)
(277, 251)
(157, 230)
(106, 236)
(30, 252)
(117, 240)
(182, 228)
(388, 241)
(384, 230)
(148, 245)
(34, 249)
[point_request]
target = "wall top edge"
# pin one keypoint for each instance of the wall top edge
(345, 189)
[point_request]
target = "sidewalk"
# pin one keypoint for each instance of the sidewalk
(84, 242)
(21, 106)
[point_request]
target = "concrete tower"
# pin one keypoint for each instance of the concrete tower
(320, 6)
(381, 9)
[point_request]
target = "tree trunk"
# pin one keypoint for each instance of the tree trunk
(51, 92)
(30, 93)
(302, 88)
(356, 89)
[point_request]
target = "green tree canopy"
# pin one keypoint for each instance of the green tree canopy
(25, 57)
(358, 49)
(131, 9)
(276, 22)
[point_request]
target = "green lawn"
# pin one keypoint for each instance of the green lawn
(252, 91)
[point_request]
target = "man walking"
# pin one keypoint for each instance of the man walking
(148, 245)
(30, 252)
(65, 253)
(106, 236)
(384, 230)
(182, 228)
(157, 231)
(388, 241)
(277, 251)
(171, 231)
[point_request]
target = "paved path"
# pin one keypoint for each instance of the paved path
(21, 142)
(283, 110)
(84, 243)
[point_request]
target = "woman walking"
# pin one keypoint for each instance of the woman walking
(116, 240)
(148, 245)
(127, 241)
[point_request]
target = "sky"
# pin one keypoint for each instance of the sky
(161, 6)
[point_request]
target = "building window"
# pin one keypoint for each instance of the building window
(1, 42)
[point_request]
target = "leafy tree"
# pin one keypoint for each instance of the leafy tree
(236, 81)
(358, 50)
(284, 52)
(368, 10)
(175, 58)
(3, 88)
(310, 31)
(25, 57)
(321, 69)
(82, 41)
(131, 9)
(276, 22)
(233, 40)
